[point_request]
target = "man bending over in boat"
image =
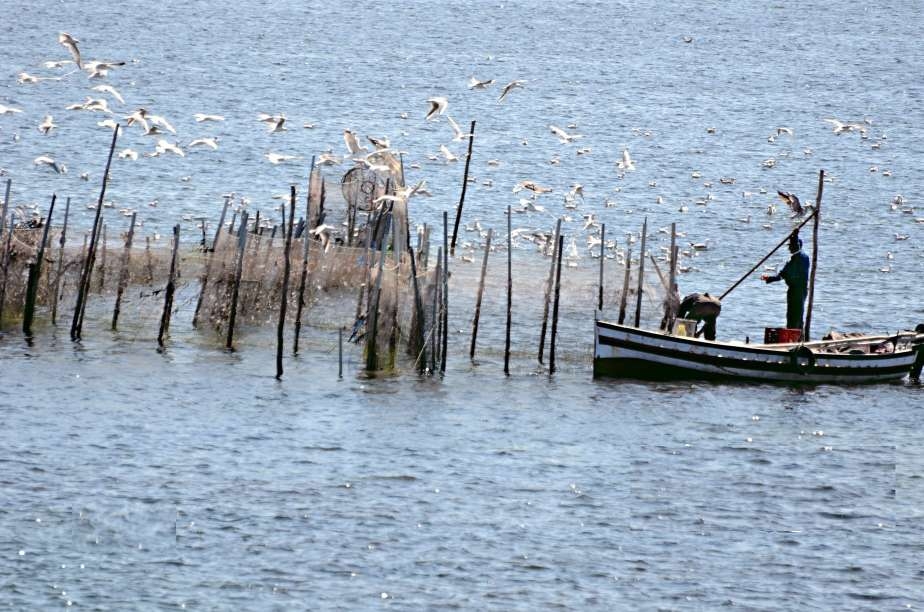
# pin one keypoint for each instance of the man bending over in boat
(701, 307)
(796, 275)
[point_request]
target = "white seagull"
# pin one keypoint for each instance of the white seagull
(626, 163)
(70, 43)
(352, 142)
(50, 162)
(510, 87)
(8, 110)
(474, 83)
(563, 136)
(200, 117)
(109, 89)
(438, 106)
(47, 125)
(204, 142)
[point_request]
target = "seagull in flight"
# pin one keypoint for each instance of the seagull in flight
(200, 117)
(50, 162)
(212, 143)
(793, 202)
(109, 89)
(70, 43)
(510, 87)
(98, 69)
(458, 134)
(278, 158)
(437, 107)
(352, 143)
(626, 163)
(47, 125)
(474, 83)
(564, 136)
(8, 110)
(24, 77)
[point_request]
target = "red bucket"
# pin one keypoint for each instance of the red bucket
(781, 335)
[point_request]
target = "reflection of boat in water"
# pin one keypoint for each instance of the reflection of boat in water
(623, 351)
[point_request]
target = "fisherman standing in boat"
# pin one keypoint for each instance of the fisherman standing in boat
(796, 275)
(701, 307)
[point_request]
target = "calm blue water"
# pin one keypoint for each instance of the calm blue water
(133, 479)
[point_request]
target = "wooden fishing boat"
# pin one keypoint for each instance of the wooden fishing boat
(628, 352)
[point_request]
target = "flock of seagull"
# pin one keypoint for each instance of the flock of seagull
(383, 158)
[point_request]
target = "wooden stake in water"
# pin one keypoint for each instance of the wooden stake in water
(6, 206)
(418, 340)
(60, 271)
(102, 262)
(123, 272)
(641, 274)
(555, 307)
(625, 285)
(484, 271)
(286, 269)
(468, 160)
(84, 286)
(600, 285)
(239, 270)
(221, 223)
(372, 331)
(5, 260)
(434, 321)
(509, 293)
(339, 352)
(548, 291)
(445, 324)
(35, 273)
(169, 290)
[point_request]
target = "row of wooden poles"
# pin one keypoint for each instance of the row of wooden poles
(430, 350)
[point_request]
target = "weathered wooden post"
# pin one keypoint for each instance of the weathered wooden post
(102, 262)
(509, 293)
(548, 291)
(418, 343)
(555, 308)
(484, 271)
(468, 160)
(286, 269)
(60, 267)
(339, 352)
(445, 324)
(641, 273)
(84, 286)
(806, 333)
(35, 273)
(434, 310)
(6, 206)
(373, 316)
(169, 290)
(123, 272)
(239, 270)
(625, 285)
(5, 261)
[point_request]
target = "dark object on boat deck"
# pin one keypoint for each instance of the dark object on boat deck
(781, 335)
(701, 307)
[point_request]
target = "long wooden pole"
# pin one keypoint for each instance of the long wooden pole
(84, 287)
(468, 159)
(555, 308)
(445, 323)
(806, 333)
(169, 290)
(372, 331)
(417, 330)
(770, 254)
(123, 273)
(509, 293)
(284, 298)
(6, 206)
(35, 273)
(61, 240)
(484, 270)
(5, 260)
(641, 273)
(625, 285)
(548, 291)
(239, 270)
(600, 285)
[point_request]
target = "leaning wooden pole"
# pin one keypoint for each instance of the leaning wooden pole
(123, 272)
(221, 223)
(625, 285)
(641, 273)
(169, 290)
(806, 333)
(35, 273)
(417, 329)
(372, 331)
(484, 271)
(468, 160)
(509, 293)
(284, 299)
(548, 291)
(84, 285)
(60, 264)
(555, 308)
(239, 270)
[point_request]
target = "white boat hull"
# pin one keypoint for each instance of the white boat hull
(622, 351)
